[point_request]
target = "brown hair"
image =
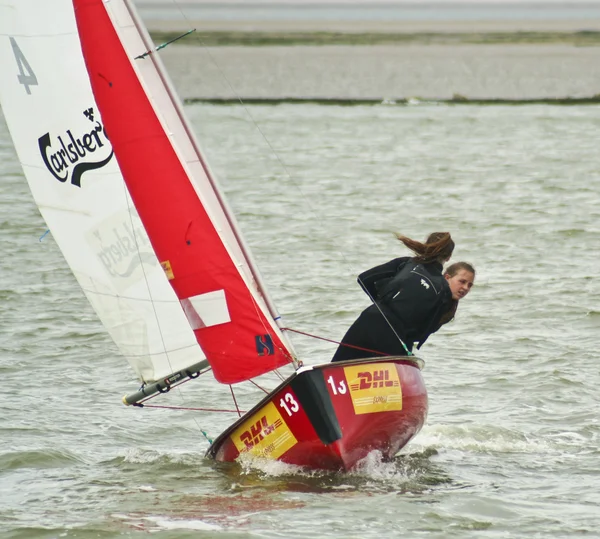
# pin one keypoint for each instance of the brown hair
(453, 269)
(437, 248)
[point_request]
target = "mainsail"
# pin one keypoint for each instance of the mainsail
(69, 164)
(189, 225)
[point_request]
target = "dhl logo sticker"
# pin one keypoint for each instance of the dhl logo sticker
(380, 378)
(258, 431)
(374, 388)
(265, 434)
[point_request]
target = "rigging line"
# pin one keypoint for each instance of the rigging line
(379, 353)
(223, 410)
(259, 387)
(181, 12)
(235, 401)
(281, 376)
(391, 326)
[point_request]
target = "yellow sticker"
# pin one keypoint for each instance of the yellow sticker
(166, 266)
(374, 388)
(265, 434)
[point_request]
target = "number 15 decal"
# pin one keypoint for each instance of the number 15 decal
(26, 75)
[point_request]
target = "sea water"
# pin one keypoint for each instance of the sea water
(510, 446)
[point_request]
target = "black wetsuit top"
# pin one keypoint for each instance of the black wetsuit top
(410, 299)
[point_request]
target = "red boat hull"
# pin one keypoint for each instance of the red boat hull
(331, 416)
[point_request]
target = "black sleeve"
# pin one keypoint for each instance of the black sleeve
(444, 313)
(373, 280)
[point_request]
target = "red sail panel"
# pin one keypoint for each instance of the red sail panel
(231, 324)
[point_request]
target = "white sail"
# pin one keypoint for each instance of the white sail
(75, 180)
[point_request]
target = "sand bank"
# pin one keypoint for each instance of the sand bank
(523, 71)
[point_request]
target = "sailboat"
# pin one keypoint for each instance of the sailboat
(177, 289)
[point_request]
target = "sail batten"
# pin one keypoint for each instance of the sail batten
(190, 229)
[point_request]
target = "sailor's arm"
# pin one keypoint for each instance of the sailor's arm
(373, 279)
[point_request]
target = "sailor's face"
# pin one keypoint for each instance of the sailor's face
(461, 283)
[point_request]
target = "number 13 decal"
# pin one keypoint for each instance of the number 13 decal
(288, 399)
(339, 389)
(26, 75)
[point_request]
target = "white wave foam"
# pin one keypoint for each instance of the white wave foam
(150, 456)
(481, 439)
(272, 468)
(375, 467)
(164, 523)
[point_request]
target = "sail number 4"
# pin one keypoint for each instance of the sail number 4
(339, 389)
(289, 404)
(26, 75)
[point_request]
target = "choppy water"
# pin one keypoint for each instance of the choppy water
(510, 448)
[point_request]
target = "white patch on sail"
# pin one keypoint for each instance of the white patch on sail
(206, 310)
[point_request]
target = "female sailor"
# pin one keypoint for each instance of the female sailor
(410, 297)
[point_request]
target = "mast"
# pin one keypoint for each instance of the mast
(157, 61)
(192, 230)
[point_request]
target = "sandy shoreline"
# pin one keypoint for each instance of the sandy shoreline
(511, 72)
(387, 60)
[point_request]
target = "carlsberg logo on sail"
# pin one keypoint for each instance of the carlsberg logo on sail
(122, 246)
(69, 155)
